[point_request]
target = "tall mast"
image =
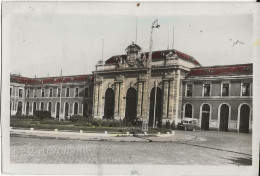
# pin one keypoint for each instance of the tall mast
(172, 37)
(136, 29)
(148, 79)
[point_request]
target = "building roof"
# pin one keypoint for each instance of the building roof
(158, 55)
(51, 80)
(222, 70)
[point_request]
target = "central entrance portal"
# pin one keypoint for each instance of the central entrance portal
(131, 102)
(109, 104)
(158, 108)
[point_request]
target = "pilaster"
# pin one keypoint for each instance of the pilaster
(139, 99)
(165, 98)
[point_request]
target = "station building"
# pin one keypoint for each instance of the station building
(220, 97)
(63, 96)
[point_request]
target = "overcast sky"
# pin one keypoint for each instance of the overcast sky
(43, 39)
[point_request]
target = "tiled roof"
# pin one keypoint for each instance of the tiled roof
(52, 80)
(241, 69)
(158, 55)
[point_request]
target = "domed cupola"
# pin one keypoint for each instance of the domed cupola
(133, 54)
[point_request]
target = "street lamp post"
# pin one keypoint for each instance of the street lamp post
(147, 87)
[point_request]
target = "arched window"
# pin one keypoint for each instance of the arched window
(66, 109)
(76, 105)
(49, 106)
(11, 106)
(58, 110)
(42, 106)
(34, 107)
(85, 109)
(27, 108)
(19, 108)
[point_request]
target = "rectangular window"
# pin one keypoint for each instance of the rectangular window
(58, 92)
(20, 92)
(189, 91)
(245, 89)
(50, 93)
(76, 92)
(86, 92)
(42, 92)
(67, 92)
(206, 90)
(11, 91)
(225, 90)
(35, 93)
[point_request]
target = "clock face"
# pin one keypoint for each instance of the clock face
(131, 59)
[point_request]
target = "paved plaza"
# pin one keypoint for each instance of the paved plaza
(196, 148)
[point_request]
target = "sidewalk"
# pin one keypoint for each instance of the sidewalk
(64, 135)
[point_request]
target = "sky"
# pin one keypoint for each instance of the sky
(43, 39)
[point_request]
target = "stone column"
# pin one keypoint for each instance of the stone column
(171, 94)
(176, 96)
(165, 98)
(116, 99)
(100, 98)
(121, 101)
(139, 99)
(96, 99)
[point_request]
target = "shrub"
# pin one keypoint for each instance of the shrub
(76, 118)
(43, 114)
(25, 117)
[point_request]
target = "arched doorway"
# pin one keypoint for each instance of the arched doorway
(131, 102)
(19, 108)
(85, 109)
(244, 119)
(57, 109)
(76, 107)
(205, 114)
(27, 108)
(42, 106)
(188, 111)
(158, 108)
(66, 110)
(224, 115)
(109, 104)
(49, 107)
(34, 107)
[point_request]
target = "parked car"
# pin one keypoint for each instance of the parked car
(188, 124)
(137, 122)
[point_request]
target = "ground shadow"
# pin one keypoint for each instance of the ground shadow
(241, 161)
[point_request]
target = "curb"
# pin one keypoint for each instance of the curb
(91, 138)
